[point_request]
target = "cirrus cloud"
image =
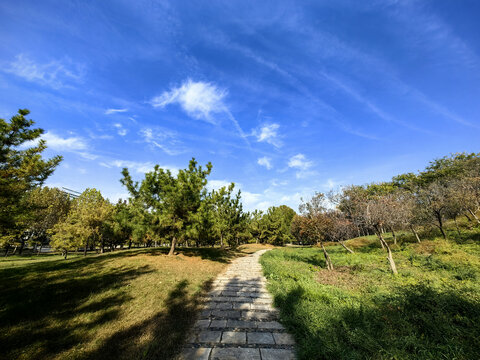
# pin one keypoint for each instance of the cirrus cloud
(269, 133)
(265, 161)
(198, 99)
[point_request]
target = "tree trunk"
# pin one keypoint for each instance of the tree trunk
(474, 216)
(381, 243)
(328, 261)
(221, 241)
(22, 245)
(347, 248)
(440, 226)
(102, 246)
(172, 247)
(391, 262)
(7, 247)
(129, 244)
(393, 267)
(85, 248)
(394, 236)
(15, 249)
(456, 225)
(415, 233)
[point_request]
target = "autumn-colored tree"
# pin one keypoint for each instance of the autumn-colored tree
(85, 223)
(316, 223)
(47, 206)
(339, 228)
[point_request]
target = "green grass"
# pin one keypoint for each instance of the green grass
(431, 310)
(135, 304)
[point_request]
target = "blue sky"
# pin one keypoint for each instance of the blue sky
(284, 98)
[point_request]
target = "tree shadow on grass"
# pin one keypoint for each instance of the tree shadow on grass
(212, 254)
(49, 307)
(18, 268)
(164, 332)
(205, 253)
(415, 322)
(38, 305)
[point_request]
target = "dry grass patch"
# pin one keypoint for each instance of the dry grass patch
(251, 248)
(341, 276)
(127, 305)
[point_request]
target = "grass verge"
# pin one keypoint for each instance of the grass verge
(431, 310)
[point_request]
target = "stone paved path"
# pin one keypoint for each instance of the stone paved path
(238, 321)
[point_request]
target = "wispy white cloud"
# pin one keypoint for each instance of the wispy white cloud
(114, 111)
(163, 139)
(423, 29)
(217, 184)
(435, 32)
(302, 165)
(55, 74)
(328, 111)
(277, 182)
(200, 100)
(74, 144)
(95, 136)
(251, 200)
(268, 133)
(262, 200)
(87, 155)
(265, 161)
(120, 129)
(380, 113)
(300, 162)
(137, 166)
(56, 142)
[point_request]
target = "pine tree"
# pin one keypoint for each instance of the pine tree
(22, 168)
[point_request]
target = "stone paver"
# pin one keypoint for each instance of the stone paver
(277, 354)
(238, 320)
(234, 337)
(197, 353)
(235, 354)
(260, 338)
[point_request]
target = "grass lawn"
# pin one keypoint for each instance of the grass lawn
(431, 310)
(132, 304)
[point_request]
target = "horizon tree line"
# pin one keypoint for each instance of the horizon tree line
(178, 209)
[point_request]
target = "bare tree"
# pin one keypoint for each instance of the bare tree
(435, 200)
(339, 229)
(378, 210)
(316, 223)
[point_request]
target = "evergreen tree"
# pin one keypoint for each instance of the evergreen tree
(172, 200)
(22, 168)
